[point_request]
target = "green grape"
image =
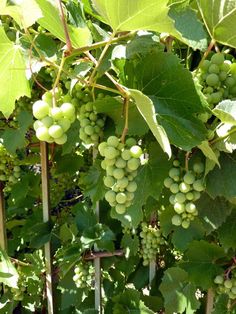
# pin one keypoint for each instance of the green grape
(136, 151)
(118, 173)
(228, 284)
(184, 187)
(56, 113)
(42, 134)
(113, 141)
(180, 198)
(126, 155)
(84, 272)
(213, 68)
(174, 188)
(110, 152)
(168, 182)
(133, 164)
(198, 186)
(110, 196)
(190, 208)
(40, 109)
(121, 198)
(68, 110)
(179, 208)
(205, 65)
(212, 79)
(132, 187)
(61, 140)
(198, 167)
(120, 209)
(120, 163)
(176, 220)
(55, 131)
(101, 148)
(130, 142)
(109, 181)
(217, 58)
(189, 178)
(64, 124)
(185, 224)
(174, 172)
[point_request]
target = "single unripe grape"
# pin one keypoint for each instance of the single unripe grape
(89, 130)
(110, 196)
(109, 181)
(40, 109)
(185, 224)
(16, 169)
(56, 113)
(136, 151)
(61, 140)
(228, 283)
(118, 173)
(168, 182)
(68, 110)
(205, 65)
(189, 196)
(180, 198)
(174, 188)
(43, 134)
(217, 58)
(37, 124)
(184, 187)
(133, 164)
(229, 82)
(89, 106)
(93, 116)
(113, 141)
(190, 208)
(84, 122)
(100, 123)
(120, 209)
(47, 121)
(47, 97)
(110, 152)
(132, 187)
(126, 155)
(198, 167)
(110, 162)
(233, 290)
(55, 131)
(110, 170)
(65, 124)
(196, 195)
(130, 142)
(174, 172)
(212, 79)
(120, 163)
(176, 220)
(222, 75)
(101, 148)
(130, 196)
(213, 68)
(121, 198)
(198, 186)
(179, 208)
(189, 178)
(122, 183)
(219, 280)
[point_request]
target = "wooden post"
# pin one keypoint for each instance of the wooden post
(210, 301)
(46, 218)
(3, 236)
(152, 272)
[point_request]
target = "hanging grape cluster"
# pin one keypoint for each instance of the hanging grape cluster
(150, 244)
(185, 187)
(9, 168)
(121, 162)
(218, 78)
(84, 274)
(91, 124)
(52, 122)
(226, 284)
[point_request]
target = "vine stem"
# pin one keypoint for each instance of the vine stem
(107, 45)
(95, 255)
(223, 137)
(3, 237)
(206, 53)
(68, 41)
(210, 301)
(58, 79)
(126, 127)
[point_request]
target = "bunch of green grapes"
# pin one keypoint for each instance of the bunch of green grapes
(91, 124)
(226, 284)
(84, 274)
(52, 122)
(9, 168)
(81, 95)
(218, 78)
(150, 243)
(185, 187)
(121, 162)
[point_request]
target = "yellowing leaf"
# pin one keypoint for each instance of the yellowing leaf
(13, 79)
(208, 152)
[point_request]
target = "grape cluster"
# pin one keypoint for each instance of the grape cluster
(218, 78)
(52, 122)
(9, 168)
(121, 163)
(84, 273)
(185, 187)
(226, 285)
(91, 124)
(150, 243)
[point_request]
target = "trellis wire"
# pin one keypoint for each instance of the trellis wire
(3, 237)
(46, 218)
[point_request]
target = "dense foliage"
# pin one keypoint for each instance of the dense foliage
(136, 101)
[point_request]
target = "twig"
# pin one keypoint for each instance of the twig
(209, 48)
(57, 79)
(187, 157)
(94, 255)
(210, 301)
(126, 127)
(68, 41)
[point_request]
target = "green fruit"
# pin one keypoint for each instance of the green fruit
(89, 130)
(118, 173)
(133, 164)
(168, 182)
(109, 181)
(136, 151)
(185, 224)
(55, 131)
(65, 124)
(110, 152)
(212, 79)
(120, 209)
(176, 220)
(121, 198)
(189, 178)
(110, 196)
(217, 58)
(198, 186)
(174, 188)
(56, 113)
(47, 121)
(219, 280)
(130, 142)
(113, 141)
(190, 208)
(61, 140)
(198, 167)
(101, 148)
(126, 155)
(174, 172)
(43, 134)
(40, 109)
(68, 110)
(184, 187)
(180, 198)
(132, 187)
(228, 284)
(179, 208)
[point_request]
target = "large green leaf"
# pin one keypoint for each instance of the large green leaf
(208, 152)
(80, 36)
(200, 262)
(12, 70)
(219, 17)
(178, 293)
(227, 234)
(8, 273)
(25, 13)
(127, 15)
(147, 110)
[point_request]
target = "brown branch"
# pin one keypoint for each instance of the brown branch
(126, 127)
(93, 255)
(68, 41)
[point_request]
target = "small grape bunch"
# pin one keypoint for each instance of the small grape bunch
(185, 187)
(10, 170)
(226, 284)
(52, 122)
(84, 274)
(121, 162)
(91, 124)
(150, 244)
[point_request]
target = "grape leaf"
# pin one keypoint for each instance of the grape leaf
(208, 152)
(147, 110)
(127, 15)
(25, 12)
(227, 234)
(12, 70)
(226, 111)
(8, 273)
(220, 181)
(219, 17)
(79, 36)
(130, 244)
(178, 293)
(200, 262)
(221, 305)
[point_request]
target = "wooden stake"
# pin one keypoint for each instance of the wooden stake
(210, 301)
(3, 236)
(46, 218)
(152, 272)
